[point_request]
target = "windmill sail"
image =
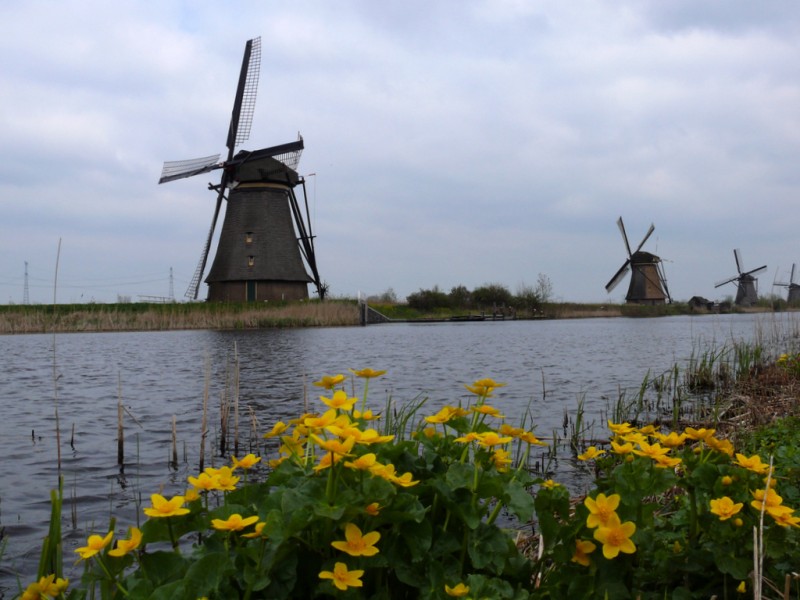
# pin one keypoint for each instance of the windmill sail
(648, 285)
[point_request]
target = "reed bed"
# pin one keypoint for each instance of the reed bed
(161, 317)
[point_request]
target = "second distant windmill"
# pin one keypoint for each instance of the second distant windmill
(746, 282)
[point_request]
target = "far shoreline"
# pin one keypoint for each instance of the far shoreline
(133, 317)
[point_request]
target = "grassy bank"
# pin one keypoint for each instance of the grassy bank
(159, 317)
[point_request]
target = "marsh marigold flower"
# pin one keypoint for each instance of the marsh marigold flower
(529, 438)
(356, 544)
(725, 508)
(651, 450)
(601, 509)
(339, 401)
(699, 434)
(752, 463)
(362, 463)
(258, 531)
(490, 439)
(247, 462)
(620, 428)
(786, 518)
(591, 453)
(46, 587)
(373, 509)
(226, 480)
(166, 508)
(94, 544)
(672, 439)
(483, 387)
(443, 416)
(129, 545)
(616, 537)
(204, 482)
(329, 381)
(233, 523)
(457, 591)
(367, 373)
(486, 409)
(342, 578)
(583, 548)
(276, 430)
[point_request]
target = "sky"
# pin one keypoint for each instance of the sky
(450, 142)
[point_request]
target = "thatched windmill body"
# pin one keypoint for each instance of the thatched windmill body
(648, 283)
(266, 241)
(794, 288)
(746, 282)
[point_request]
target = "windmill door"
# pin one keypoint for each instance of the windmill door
(251, 291)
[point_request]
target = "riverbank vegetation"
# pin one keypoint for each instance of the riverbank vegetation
(355, 500)
(170, 316)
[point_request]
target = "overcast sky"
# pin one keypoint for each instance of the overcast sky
(454, 142)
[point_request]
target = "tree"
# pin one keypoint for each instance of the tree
(492, 295)
(544, 288)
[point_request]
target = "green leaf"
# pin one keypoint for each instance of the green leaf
(460, 475)
(520, 501)
(206, 576)
(162, 567)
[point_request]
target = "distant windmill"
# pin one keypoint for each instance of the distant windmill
(648, 283)
(265, 237)
(747, 284)
(794, 288)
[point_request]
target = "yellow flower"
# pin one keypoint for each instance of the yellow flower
(356, 544)
(665, 462)
(342, 578)
(725, 508)
(166, 508)
(771, 500)
(248, 462)
(373, 509)
(204, 482)
(727, 480)
(741, 588)
(367, 415)
(336, 446)
(620, 428)
(618, 448)
(443, 416)
(550, 484)
(785, 518)
(276, 430)
(457, 591)
(528, 437)
(485, 409)
(483, 387)
(601, 509)
(616, 537)
(724, 446)
(339, 401)
(591, 453)
(649, 430)
(672, 439)
(329, 381)
(752, 463)
(233, 523)
(651, 450)
(258, 531)
(363, 463)
(466, 439)
(226, 481)
(320, 422)
(404, 480)
(371, 436)
(190, 495)
(506, 429)
(125, 546)
(501, 459)
(94, 544)
(46, 587)
(367, 373)
(490, 438)
(583, 548)
(699, 434)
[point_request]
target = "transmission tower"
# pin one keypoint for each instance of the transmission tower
(171, 286)
(25, 297)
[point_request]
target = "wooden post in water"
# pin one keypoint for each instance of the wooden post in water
(174, 443)
(120, 436)
(205, 415)
(235, 400)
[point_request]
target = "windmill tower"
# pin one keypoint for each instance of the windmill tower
(266, 241)
(648, 283)
(794, 288)
(747, 284)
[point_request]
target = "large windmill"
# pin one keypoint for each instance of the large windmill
(747, 284)
(648, 283)
(794, 288)
(265, 242)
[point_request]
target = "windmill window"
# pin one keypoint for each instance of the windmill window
(251, 261)
(248, 238)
